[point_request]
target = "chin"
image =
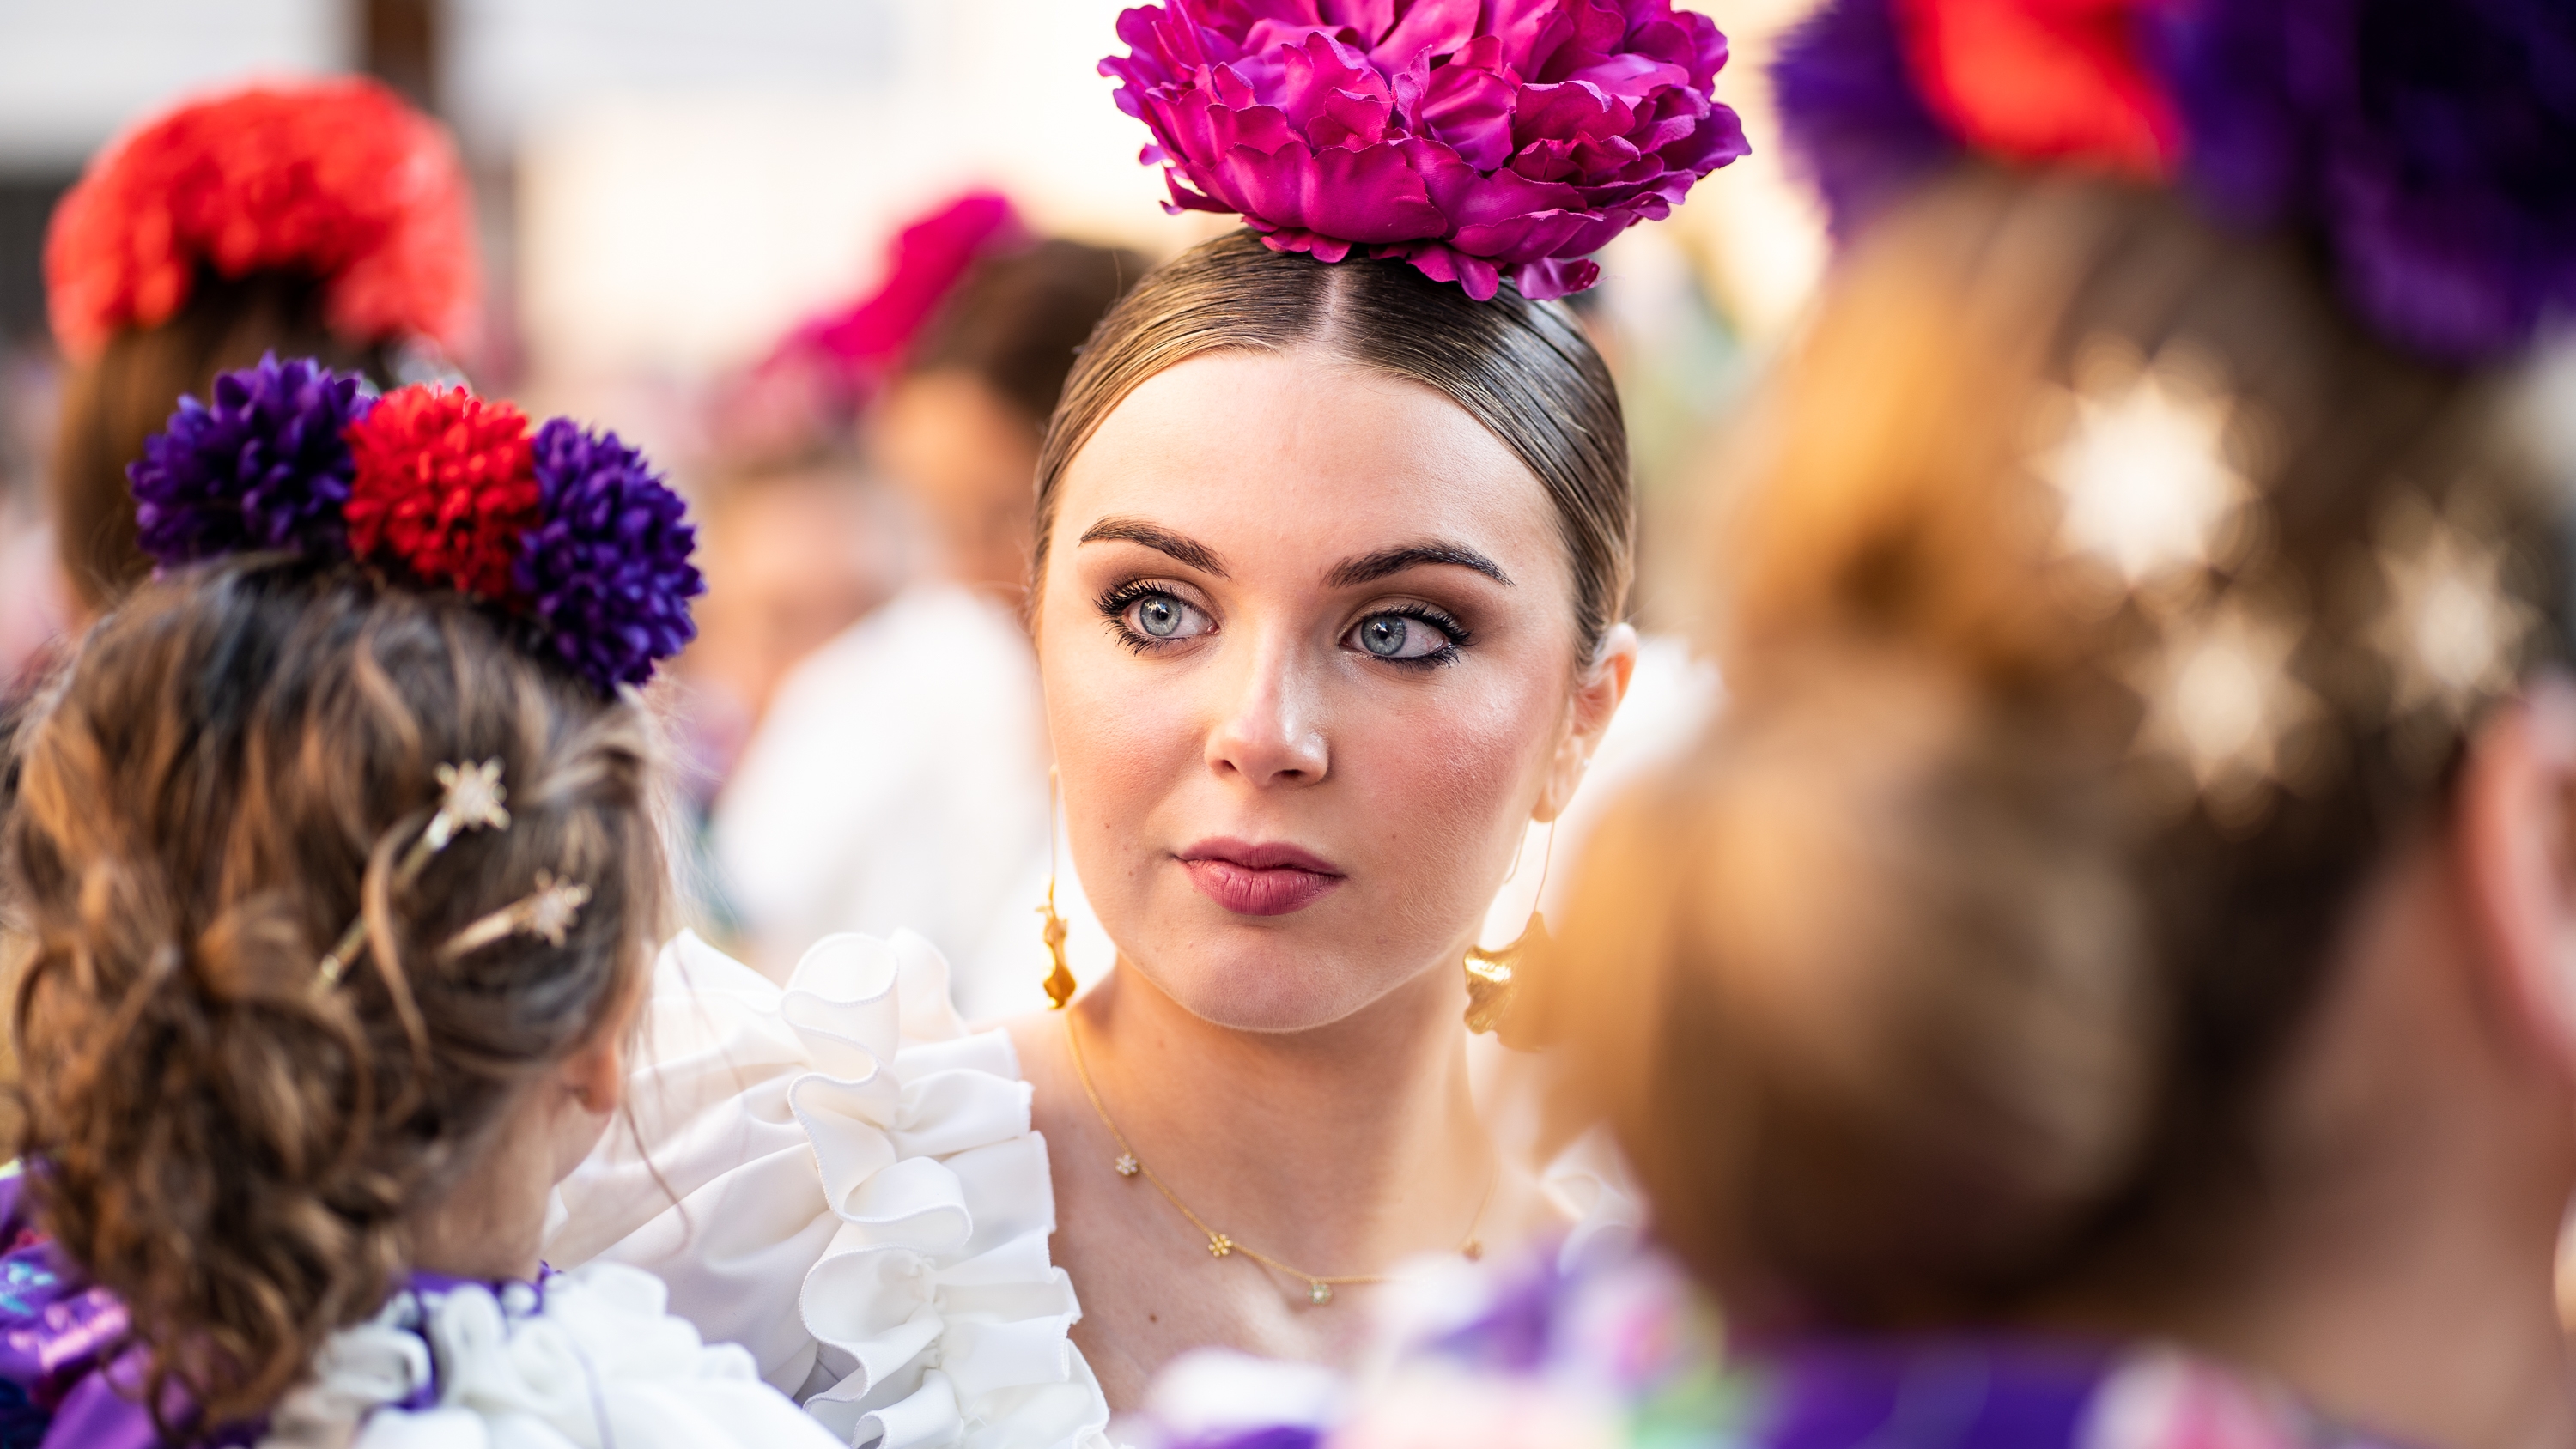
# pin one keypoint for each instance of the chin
(1274, 985)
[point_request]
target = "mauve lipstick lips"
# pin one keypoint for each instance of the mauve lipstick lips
(1258, 880)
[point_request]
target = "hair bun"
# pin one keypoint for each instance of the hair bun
(1469, 144)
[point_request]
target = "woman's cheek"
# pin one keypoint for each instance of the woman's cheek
(1121, 745)
(1446, 779)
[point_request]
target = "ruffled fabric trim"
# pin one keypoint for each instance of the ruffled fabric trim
(846, 1143)
(593, 1363)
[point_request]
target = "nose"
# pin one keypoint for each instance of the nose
(1269, 729)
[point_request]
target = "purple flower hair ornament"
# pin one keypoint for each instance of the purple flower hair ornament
(2434, 146)
(604, 576)
(597, 572)
(263, 466)
(1475, 139)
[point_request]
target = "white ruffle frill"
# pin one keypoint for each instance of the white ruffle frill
(596, 1365)
(844, 1144)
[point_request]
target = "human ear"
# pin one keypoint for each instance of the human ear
(2516, 844)
(595, 1076)
(1588, 714)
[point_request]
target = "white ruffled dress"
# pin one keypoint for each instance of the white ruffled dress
(590, 1361)
(844, 1144)
(846, 1136)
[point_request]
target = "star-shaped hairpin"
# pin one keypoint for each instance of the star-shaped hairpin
(2222, 702)
(552, 911)
(2449, 628)
(471, 800)
(2143, 474)
(547, 913)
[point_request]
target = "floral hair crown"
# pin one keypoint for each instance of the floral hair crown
(1471, 138)
(338, 179)
(2425, 145)
(569, 532)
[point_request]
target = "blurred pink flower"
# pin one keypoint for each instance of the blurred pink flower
(1472, 138)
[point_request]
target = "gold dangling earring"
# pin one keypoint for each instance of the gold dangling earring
(1059, 982)
(1491, 978)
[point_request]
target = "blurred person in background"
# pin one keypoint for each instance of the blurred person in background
(33, 612)
(897, 777)
(2106, 980)
(795, 551)
(321, 218)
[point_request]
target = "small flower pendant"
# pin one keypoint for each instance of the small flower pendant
(1127, 1165)
(1319, 1293)
(1219, 1245)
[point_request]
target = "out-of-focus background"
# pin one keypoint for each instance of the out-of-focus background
(665, 188)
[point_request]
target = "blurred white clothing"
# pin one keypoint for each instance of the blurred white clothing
(898, 781)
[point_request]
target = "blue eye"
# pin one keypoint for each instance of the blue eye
(1159, 617)
(1405, 639)
(1145, 617)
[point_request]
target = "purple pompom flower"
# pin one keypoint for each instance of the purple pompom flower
(2434, 146)
(1850, 117)
(265, 466)
(1411, 130)
(605, 576)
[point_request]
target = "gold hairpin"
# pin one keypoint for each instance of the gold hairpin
(2144, 477)
(2450, 630)
(2224, 705)
(548, 914)
(472, 799)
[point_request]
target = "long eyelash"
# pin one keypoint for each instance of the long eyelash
(1447, 654)
(1113, 609)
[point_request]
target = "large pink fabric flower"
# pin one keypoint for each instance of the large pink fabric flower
(1472, 138)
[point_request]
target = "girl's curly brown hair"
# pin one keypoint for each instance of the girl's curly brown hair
(221, 783)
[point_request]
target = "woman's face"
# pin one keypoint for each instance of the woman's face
(1307, 635)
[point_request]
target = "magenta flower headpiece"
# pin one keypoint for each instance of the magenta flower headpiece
(570, 533)
(1472, 138)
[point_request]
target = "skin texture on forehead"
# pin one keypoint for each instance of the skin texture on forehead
(1260, 489)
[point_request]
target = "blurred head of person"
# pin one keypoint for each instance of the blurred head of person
(959, 429)
(794, 551)
(324, 219)
(2131, 888)
(336, 858)
(230, 775)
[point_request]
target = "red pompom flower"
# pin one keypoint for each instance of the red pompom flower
(337, 179)
(446, 484)
(2044, 80)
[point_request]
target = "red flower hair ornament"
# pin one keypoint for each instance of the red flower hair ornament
(2044, 80)
(336, 178)
(446, 482)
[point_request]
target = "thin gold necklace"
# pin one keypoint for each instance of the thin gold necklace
(1319, 1286)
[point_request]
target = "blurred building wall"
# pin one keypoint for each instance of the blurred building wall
(73, 74)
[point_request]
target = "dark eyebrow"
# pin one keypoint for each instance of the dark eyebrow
(1386, 562)
(1162, 540)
